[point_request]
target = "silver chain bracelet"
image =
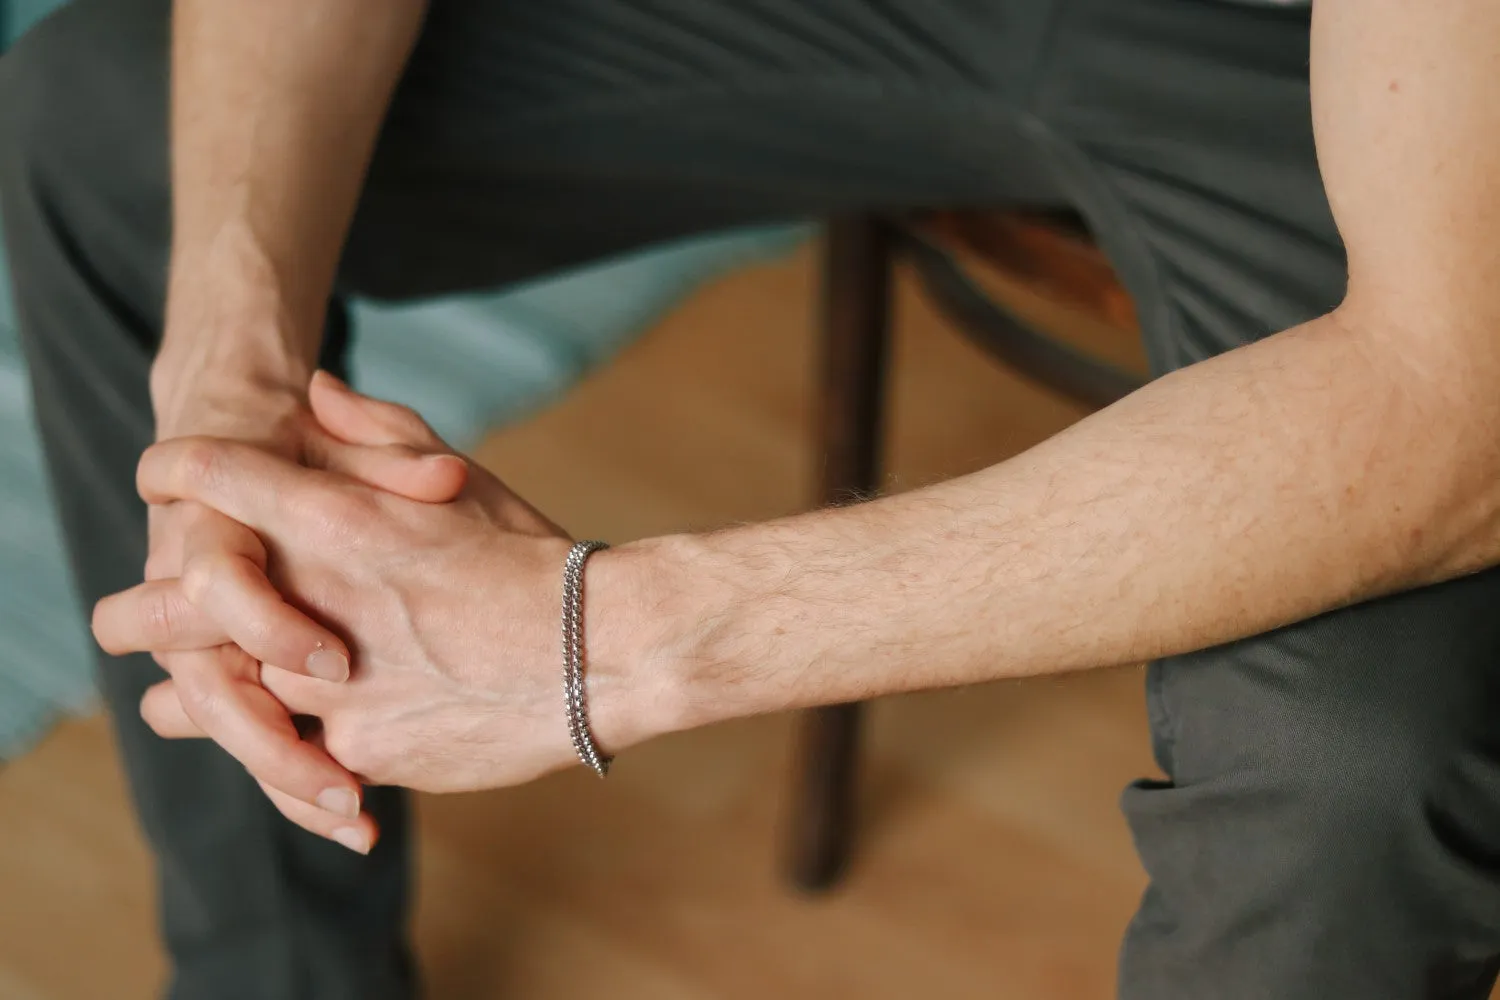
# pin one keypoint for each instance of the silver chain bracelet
(572, 631)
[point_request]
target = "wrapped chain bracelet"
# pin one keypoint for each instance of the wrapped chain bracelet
(573, 658)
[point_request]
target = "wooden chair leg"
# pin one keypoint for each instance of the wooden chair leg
(855, 349)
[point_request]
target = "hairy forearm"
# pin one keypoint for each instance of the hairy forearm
(1259, 488)
(275, 109)
(1353, 456)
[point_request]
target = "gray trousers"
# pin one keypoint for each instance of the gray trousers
(1331, 824)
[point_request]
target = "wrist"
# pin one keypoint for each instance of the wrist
(650, 608)
(232, 328)
(223, 400)
(207, 368)
(253, 358)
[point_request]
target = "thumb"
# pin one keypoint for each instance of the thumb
(381, 444)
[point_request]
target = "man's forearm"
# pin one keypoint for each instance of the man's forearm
(275, 109)
(1253, 490)
(1352, 456)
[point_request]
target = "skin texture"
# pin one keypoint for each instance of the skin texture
(1266, 485)
(275, 107)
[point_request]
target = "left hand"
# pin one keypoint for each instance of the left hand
(451, 612)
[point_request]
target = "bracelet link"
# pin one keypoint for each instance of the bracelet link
(573, 659)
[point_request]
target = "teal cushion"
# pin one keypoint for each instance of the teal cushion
(45, 663)
(18, 15)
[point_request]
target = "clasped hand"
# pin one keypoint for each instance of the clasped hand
(445, 611)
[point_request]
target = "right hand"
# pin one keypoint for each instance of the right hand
(220, 672)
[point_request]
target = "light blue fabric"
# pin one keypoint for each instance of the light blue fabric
(18, 15)
(465, 363)
(44, 655)
(43, 650)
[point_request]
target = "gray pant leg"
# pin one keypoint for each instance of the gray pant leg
(538, 136)
(251, 907)
(1331, 823)
(1331, 826)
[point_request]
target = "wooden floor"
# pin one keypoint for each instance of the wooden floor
(992, 860)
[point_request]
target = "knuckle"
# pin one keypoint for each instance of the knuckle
(352, 748)
(333, 508)
(334, 513)
(199, 577)
(199, 700)
(161, 620)
(257, 633)
(200, 463)
(341, 745)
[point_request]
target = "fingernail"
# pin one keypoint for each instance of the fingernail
(339, 801)
(328, 665)
(352, 839)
